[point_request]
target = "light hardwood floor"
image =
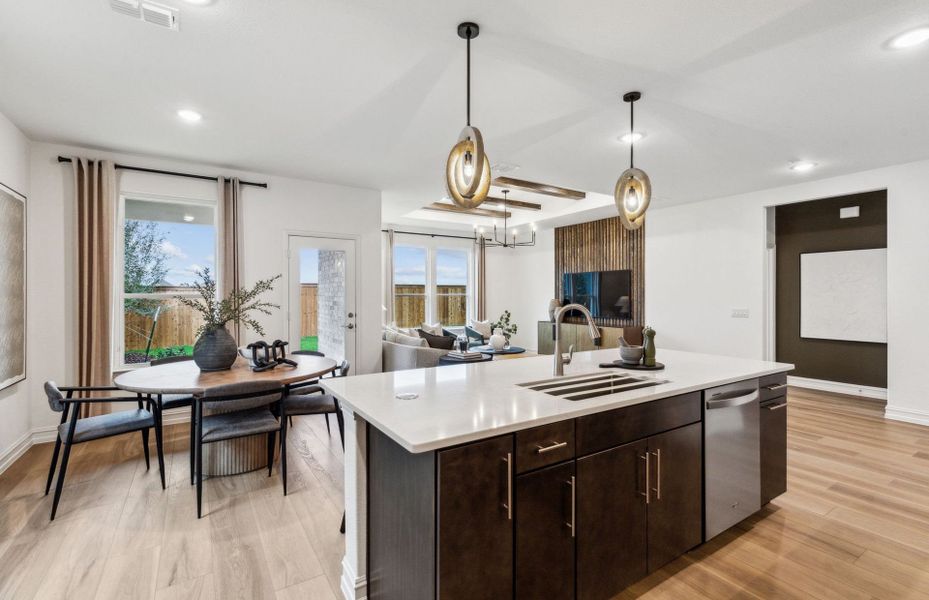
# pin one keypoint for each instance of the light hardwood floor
(855, 523)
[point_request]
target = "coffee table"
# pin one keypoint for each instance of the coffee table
(445, 360)
(490, 350)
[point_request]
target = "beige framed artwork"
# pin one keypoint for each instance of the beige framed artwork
(12, 286)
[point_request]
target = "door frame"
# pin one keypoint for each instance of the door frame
(356, 239)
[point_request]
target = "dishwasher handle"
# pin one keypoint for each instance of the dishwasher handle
(732, 399)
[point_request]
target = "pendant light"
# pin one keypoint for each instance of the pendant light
(467, 171)
(633, 190)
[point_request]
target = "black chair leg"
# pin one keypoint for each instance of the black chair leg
(199, 464)
(341, 421)
(290, 420)
(284, 453)
(326, 416)
(159, 445)
(61, 479)
(51, 468)
(193, 433)
(145, 448)
(342, 527)
(272, 436)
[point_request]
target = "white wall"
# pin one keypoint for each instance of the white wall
(288, 205)
(704, 259)
(522, 280)
(14, 400)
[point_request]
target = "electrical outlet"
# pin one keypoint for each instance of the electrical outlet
(739, 313)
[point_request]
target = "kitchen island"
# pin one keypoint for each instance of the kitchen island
(497, 480)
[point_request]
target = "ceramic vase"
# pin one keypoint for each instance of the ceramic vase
(215, 350)
(498, 340)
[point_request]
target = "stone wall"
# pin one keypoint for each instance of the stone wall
(331, 299)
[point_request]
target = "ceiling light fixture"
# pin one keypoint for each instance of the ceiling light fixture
(633, 191)
(506, 242)
(467, 170)
(631, 137)
(908, 39)
(188, 218)
(802, 166)
(191, 116)
(199, 2)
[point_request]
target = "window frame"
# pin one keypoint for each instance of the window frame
(117, 338)
(432, 246)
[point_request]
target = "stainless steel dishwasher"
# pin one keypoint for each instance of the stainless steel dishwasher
(732, 455)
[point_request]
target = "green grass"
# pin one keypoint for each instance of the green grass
(309, 342)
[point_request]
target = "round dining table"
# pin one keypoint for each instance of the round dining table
(228, 457)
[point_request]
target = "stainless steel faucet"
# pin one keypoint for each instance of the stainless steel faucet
(560, 359)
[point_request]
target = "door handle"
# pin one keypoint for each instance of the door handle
(648, 477)
(731, 399)
(657, 455)
(509, 485)
(572, 524)
(349, 326)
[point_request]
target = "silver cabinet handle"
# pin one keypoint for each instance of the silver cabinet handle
(509, 485)
(648, 478)
(776, 406)
(553, 446)
(657, 454)
(573, 522)
(731, 399)
(775, 386)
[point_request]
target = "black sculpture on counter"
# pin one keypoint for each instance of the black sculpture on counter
(274, 354)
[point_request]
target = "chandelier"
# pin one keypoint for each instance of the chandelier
(507, 241)
(633, 191)
(467, 170)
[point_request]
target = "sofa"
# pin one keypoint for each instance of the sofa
(397, 357)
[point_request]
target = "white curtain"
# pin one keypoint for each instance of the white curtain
(388, 276)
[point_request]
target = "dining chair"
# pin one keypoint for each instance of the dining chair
(73, 429)
(303, 384)
(313, 401)
(169, 401)
(238, 410)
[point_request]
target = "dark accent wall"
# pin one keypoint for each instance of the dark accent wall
(603, 245)
(815, 226)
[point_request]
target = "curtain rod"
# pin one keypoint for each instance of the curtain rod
(67, 159)
(434, 235)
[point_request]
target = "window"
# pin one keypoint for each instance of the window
(431, 284)
(409, 286)
(164, 245)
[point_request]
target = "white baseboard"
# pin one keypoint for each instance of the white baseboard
(836, 387)
(11, 454)
(908, 415)
(43, 435)
(353, 587)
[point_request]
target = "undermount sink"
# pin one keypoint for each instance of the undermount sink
(592, 385)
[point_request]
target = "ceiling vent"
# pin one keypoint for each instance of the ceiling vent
(150, 12)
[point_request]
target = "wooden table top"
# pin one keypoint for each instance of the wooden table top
(185, 378)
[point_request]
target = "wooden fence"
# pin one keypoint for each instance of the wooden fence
(309, 309)
(410, 305)
(176, 326)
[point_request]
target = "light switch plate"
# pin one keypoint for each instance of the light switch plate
(739, 313)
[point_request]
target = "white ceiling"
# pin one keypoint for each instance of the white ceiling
(371, 93)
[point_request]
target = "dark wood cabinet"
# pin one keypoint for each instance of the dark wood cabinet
(773, 448)
(474, 521)
(545, 533)
(611, 521)
(675, 507)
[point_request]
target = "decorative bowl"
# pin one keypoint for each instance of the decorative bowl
(631, 354)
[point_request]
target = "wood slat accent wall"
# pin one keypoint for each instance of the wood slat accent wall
(603, 245)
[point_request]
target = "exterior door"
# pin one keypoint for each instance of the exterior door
(321, 311)
(611, 521)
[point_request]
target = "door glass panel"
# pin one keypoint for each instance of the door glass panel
(409, 286)
(322, 308)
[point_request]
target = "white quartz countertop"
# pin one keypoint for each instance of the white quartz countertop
(468, 402)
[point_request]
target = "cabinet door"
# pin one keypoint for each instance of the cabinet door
(475, 526)
(611, 521)
(545, 529)
(675, 509)
(773, 449)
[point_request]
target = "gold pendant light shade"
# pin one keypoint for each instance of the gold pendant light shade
(467, 171)
(632, 194)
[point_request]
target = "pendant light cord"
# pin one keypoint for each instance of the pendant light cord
(632, 134)
(468, 67)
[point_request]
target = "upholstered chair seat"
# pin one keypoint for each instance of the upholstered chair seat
(101, 426)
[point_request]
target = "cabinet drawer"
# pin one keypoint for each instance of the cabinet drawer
(544, 445)
(772, 386)
(604, 430)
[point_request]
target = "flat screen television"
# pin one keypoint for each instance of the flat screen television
(606, 294)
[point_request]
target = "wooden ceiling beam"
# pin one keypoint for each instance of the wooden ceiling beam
(475, 212)
(494, 201)
(540, 188)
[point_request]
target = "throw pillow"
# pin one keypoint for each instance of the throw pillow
(443, 342)
(483, 328)
(433, 329)
(407, 340)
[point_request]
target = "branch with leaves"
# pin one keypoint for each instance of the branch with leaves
(504, 323)
(236, 307)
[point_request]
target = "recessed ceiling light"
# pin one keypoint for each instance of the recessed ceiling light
(631, 137)
(910, 38)
(191, 116)
(802, 166)
(188, 218)
(199, 2)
